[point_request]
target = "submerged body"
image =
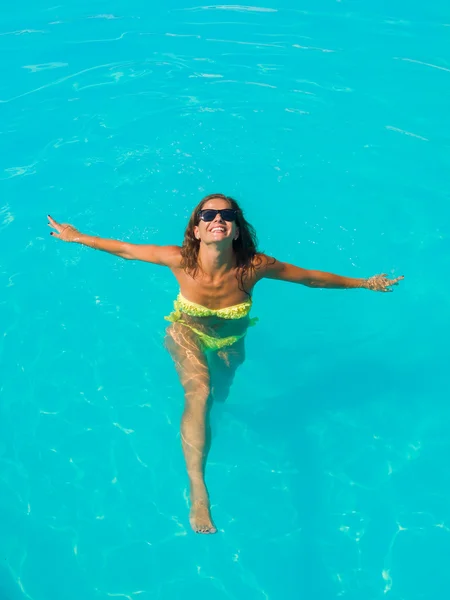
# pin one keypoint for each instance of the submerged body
(216, 328)
(207, 346)
(217, 268)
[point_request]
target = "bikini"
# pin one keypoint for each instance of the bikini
(208, 342)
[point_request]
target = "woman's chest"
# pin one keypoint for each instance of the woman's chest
(212, 293)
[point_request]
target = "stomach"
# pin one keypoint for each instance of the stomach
(217, 327)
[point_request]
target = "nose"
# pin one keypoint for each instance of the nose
(219, 219)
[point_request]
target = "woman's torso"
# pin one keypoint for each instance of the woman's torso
(216, 294)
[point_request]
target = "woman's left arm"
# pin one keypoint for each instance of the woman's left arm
(275, 269)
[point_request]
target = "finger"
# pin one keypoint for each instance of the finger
(53, 234)
(53, 223)
(397, 279)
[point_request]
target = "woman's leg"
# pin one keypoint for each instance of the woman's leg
(223, 366)
(193, 371)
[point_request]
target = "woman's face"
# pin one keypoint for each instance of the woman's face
(217, 231)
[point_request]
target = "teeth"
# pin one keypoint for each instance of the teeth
(218, 229)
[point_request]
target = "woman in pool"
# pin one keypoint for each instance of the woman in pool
(217, 267)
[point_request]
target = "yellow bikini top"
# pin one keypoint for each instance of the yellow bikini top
(238, 311)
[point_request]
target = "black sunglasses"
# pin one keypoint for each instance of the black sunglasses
(209, 214)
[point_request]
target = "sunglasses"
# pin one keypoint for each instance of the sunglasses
(209, 214)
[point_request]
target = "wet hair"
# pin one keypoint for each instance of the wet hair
(245, 246)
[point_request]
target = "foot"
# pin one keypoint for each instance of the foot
(224, 356)
(200, 517)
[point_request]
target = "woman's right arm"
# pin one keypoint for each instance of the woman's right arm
(168, 256)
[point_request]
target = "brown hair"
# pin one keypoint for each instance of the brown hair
(245, 246)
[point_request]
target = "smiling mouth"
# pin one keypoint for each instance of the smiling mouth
(218, 229)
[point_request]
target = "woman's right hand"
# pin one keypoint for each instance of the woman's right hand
(65, 232)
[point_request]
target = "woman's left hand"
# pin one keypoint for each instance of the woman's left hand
(380, 283)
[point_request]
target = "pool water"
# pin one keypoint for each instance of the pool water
(328, 472)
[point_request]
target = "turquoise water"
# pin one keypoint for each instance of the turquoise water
(328, 472)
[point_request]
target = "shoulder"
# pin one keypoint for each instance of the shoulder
(262, 265)
(261, 260)
(171, 256)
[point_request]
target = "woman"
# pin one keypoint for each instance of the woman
(217, 267)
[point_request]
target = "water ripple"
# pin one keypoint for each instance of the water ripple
(419, 62)
(45, 66)
(415, 135)
(232, 7)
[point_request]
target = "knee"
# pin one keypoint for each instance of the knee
(197, 404)
(197, 388)
(198, 401)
